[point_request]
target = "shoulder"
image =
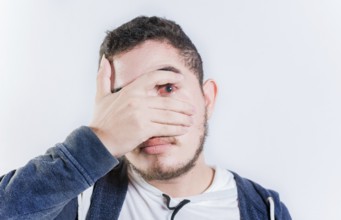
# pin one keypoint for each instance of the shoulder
(252, 194)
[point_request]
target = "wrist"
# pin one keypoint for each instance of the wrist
(106, 140)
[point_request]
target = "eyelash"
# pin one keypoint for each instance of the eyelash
(172, 86)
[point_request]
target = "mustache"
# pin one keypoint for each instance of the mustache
(153, 141)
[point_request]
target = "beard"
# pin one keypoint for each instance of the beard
(157, 172)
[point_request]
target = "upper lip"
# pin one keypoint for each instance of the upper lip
(154, 141)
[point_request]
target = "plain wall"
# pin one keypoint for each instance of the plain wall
(277, 64)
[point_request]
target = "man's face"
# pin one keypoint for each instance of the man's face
(171, 156)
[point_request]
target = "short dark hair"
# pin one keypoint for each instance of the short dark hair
(140, 29)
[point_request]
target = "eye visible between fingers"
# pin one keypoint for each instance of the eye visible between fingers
(166, 89)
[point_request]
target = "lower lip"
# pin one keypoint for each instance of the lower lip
(156, 149)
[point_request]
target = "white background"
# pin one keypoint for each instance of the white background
(277, 63)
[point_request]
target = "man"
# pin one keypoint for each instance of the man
(143, 149)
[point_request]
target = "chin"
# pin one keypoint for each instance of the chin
(164, 167)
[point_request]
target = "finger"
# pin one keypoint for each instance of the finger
(103, 78)
(161, 130)
(170, 118)
(171, 104)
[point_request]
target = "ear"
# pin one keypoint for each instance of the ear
(210, 90)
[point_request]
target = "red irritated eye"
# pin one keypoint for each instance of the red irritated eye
(166, 90)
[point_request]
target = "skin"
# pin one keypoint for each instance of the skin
(159, 93)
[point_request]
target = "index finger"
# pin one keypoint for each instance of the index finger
(103, 78)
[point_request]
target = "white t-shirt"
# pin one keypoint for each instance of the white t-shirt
(219, 201)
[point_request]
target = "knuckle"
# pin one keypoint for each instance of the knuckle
(133, 103)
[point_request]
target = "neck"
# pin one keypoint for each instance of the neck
(194, 182)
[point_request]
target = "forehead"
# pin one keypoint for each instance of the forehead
(146, 57)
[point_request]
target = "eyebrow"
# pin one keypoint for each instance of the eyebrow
(171, 69)
(166, 68)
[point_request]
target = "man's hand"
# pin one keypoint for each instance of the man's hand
(125, 119)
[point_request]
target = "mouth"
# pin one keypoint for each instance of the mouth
(157, 145)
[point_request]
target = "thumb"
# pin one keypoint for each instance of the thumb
(103, 78)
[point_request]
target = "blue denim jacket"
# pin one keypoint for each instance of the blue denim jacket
(47, 186)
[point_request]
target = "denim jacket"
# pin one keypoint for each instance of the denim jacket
(47, 186)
